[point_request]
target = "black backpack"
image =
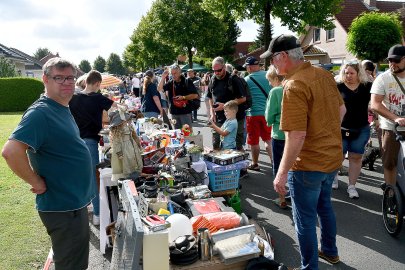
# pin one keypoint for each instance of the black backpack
(248, 103)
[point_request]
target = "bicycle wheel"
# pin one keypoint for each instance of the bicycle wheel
(392, 210)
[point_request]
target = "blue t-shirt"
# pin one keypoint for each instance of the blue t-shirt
(229, 141)
(258, 97)
(149, 104)
(58, 154)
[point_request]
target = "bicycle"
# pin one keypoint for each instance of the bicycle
(393, 196)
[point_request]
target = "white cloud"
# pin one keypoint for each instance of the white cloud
(77, 29)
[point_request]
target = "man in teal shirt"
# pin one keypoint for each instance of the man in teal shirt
(46, 151)
(256, 125)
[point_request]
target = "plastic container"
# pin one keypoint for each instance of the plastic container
(224, 180)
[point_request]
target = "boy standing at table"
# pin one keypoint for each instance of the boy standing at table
(230, 127)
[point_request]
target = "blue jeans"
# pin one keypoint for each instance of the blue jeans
(311, 197)
(92, 145)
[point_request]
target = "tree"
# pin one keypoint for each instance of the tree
(231, 35)
(372, 34)
(85, 66)
(99, 64)
(7, 68)
(185, 25)
(296, 15)
(41, 53)
(146, 48)
(114, 65)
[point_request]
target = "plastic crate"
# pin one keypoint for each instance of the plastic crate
(224, 180)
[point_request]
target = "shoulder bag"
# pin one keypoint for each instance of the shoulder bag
(178, 103)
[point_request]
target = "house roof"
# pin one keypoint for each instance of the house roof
(47, 57)
(313, 50)
(35, 64)
(10, 54)
(353, 8)
(241, 47)
(256, 53)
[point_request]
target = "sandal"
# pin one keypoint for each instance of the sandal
(254, 167)
(280, 204)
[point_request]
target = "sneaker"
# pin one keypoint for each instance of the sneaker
(96, 220)
(329, 259)
(254, 167)
(335, 184)
(353, 194)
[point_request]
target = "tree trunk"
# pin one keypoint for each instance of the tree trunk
(190, 57)
(267, 29)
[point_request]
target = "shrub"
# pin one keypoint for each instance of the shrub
(17, 94)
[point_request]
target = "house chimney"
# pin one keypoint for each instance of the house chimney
(371, 3)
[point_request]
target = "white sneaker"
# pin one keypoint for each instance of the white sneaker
(353, 194)
(96, 220)
(335, 184)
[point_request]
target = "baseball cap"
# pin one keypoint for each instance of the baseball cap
(396, 52)
(251, 61)
(281, 43)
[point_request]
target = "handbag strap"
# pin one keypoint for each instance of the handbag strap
(399, 83)
(261, 88)
(174, 94)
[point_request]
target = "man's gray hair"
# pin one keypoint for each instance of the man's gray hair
(174, 67)
(59, 64)
(296, 54)
(218, 60)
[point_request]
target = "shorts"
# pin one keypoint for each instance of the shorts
(256, 127)
(357, 145)
(390, 149)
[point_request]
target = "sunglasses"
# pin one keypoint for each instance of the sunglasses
(217, 70)
(394, 60)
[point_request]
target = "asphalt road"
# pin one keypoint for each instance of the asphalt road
(362, 240)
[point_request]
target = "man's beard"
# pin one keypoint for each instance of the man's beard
(398, 70)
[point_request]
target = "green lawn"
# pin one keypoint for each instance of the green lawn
(24, 243)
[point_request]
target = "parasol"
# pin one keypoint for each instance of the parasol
(109, 80)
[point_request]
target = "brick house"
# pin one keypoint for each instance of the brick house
(329, 46)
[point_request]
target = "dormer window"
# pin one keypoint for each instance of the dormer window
(317, 35)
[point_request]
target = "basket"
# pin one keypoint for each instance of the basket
(224, 180)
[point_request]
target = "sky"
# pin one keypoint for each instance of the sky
(80, 29)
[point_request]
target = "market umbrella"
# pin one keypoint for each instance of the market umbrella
(109, 80)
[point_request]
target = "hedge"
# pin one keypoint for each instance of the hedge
(17, 94)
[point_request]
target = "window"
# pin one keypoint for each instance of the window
(330, 34)
(317, 35)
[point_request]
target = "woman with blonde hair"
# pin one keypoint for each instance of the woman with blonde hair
(151, 104)
(354, 87)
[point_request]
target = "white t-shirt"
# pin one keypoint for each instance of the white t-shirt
(394, 99)
(135, 82)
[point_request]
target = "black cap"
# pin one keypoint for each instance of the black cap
(396, 52)
(281, 43)
(251, 61)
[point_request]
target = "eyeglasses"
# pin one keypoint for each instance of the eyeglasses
(218, 70)
(62, 79)
(274, 55)
(394, 60)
